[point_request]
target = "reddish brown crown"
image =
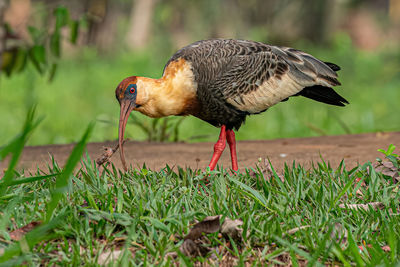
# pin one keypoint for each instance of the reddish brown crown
(119, 92)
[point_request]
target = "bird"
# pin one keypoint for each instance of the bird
(222, 81)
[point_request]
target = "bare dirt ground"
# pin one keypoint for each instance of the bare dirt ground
(352, 148)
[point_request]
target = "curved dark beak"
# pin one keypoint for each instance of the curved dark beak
(126, 108)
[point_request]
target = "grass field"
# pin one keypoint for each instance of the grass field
(83, 91)
(86, 217)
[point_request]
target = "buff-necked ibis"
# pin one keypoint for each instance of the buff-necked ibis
(223, 81)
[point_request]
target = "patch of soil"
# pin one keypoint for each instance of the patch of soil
(353, 149)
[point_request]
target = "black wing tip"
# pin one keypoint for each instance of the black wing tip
(333, 66)
(340, 104)
(324, 94)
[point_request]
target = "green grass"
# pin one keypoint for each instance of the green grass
(83, 91)
(146, 214)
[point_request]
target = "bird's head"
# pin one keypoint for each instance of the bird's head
(173, 94)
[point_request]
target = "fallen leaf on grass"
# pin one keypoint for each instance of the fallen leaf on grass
(231, 228)
(387, 168)
(195, 241)
(367, 206)
(209, 225)
(17, 234)
(193, 249)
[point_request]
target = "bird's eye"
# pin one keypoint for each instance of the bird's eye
(132, 90)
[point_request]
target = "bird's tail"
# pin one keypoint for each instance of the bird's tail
(316, 76)
(323, 94)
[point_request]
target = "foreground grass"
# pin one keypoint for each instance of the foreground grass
(144, 215)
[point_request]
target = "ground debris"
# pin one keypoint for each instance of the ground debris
(17, 234)
(388, 168)
(196, 243)
(105, 158)
(367, 206)
(231, 228)
(107, 154)
(195, 248)
(209, 225)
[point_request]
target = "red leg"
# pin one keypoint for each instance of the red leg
(230, 137)
(218, 148)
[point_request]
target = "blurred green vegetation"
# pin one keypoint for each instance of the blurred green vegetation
(83, 91)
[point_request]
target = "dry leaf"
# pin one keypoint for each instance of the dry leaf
(231, 228)
(195, 243)
(209, 225)
(387, 168)
(17, 234)
(190, 248)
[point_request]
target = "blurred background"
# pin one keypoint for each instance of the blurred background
(67, 57)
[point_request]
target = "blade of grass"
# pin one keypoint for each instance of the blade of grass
(297, 250)
(30, 179)
(63, 180)
(344, 190)
(251, 192)
(354, 250)
(277, 178)
(16, 146)
(338, 252)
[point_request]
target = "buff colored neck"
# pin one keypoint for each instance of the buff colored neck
(169, 95)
